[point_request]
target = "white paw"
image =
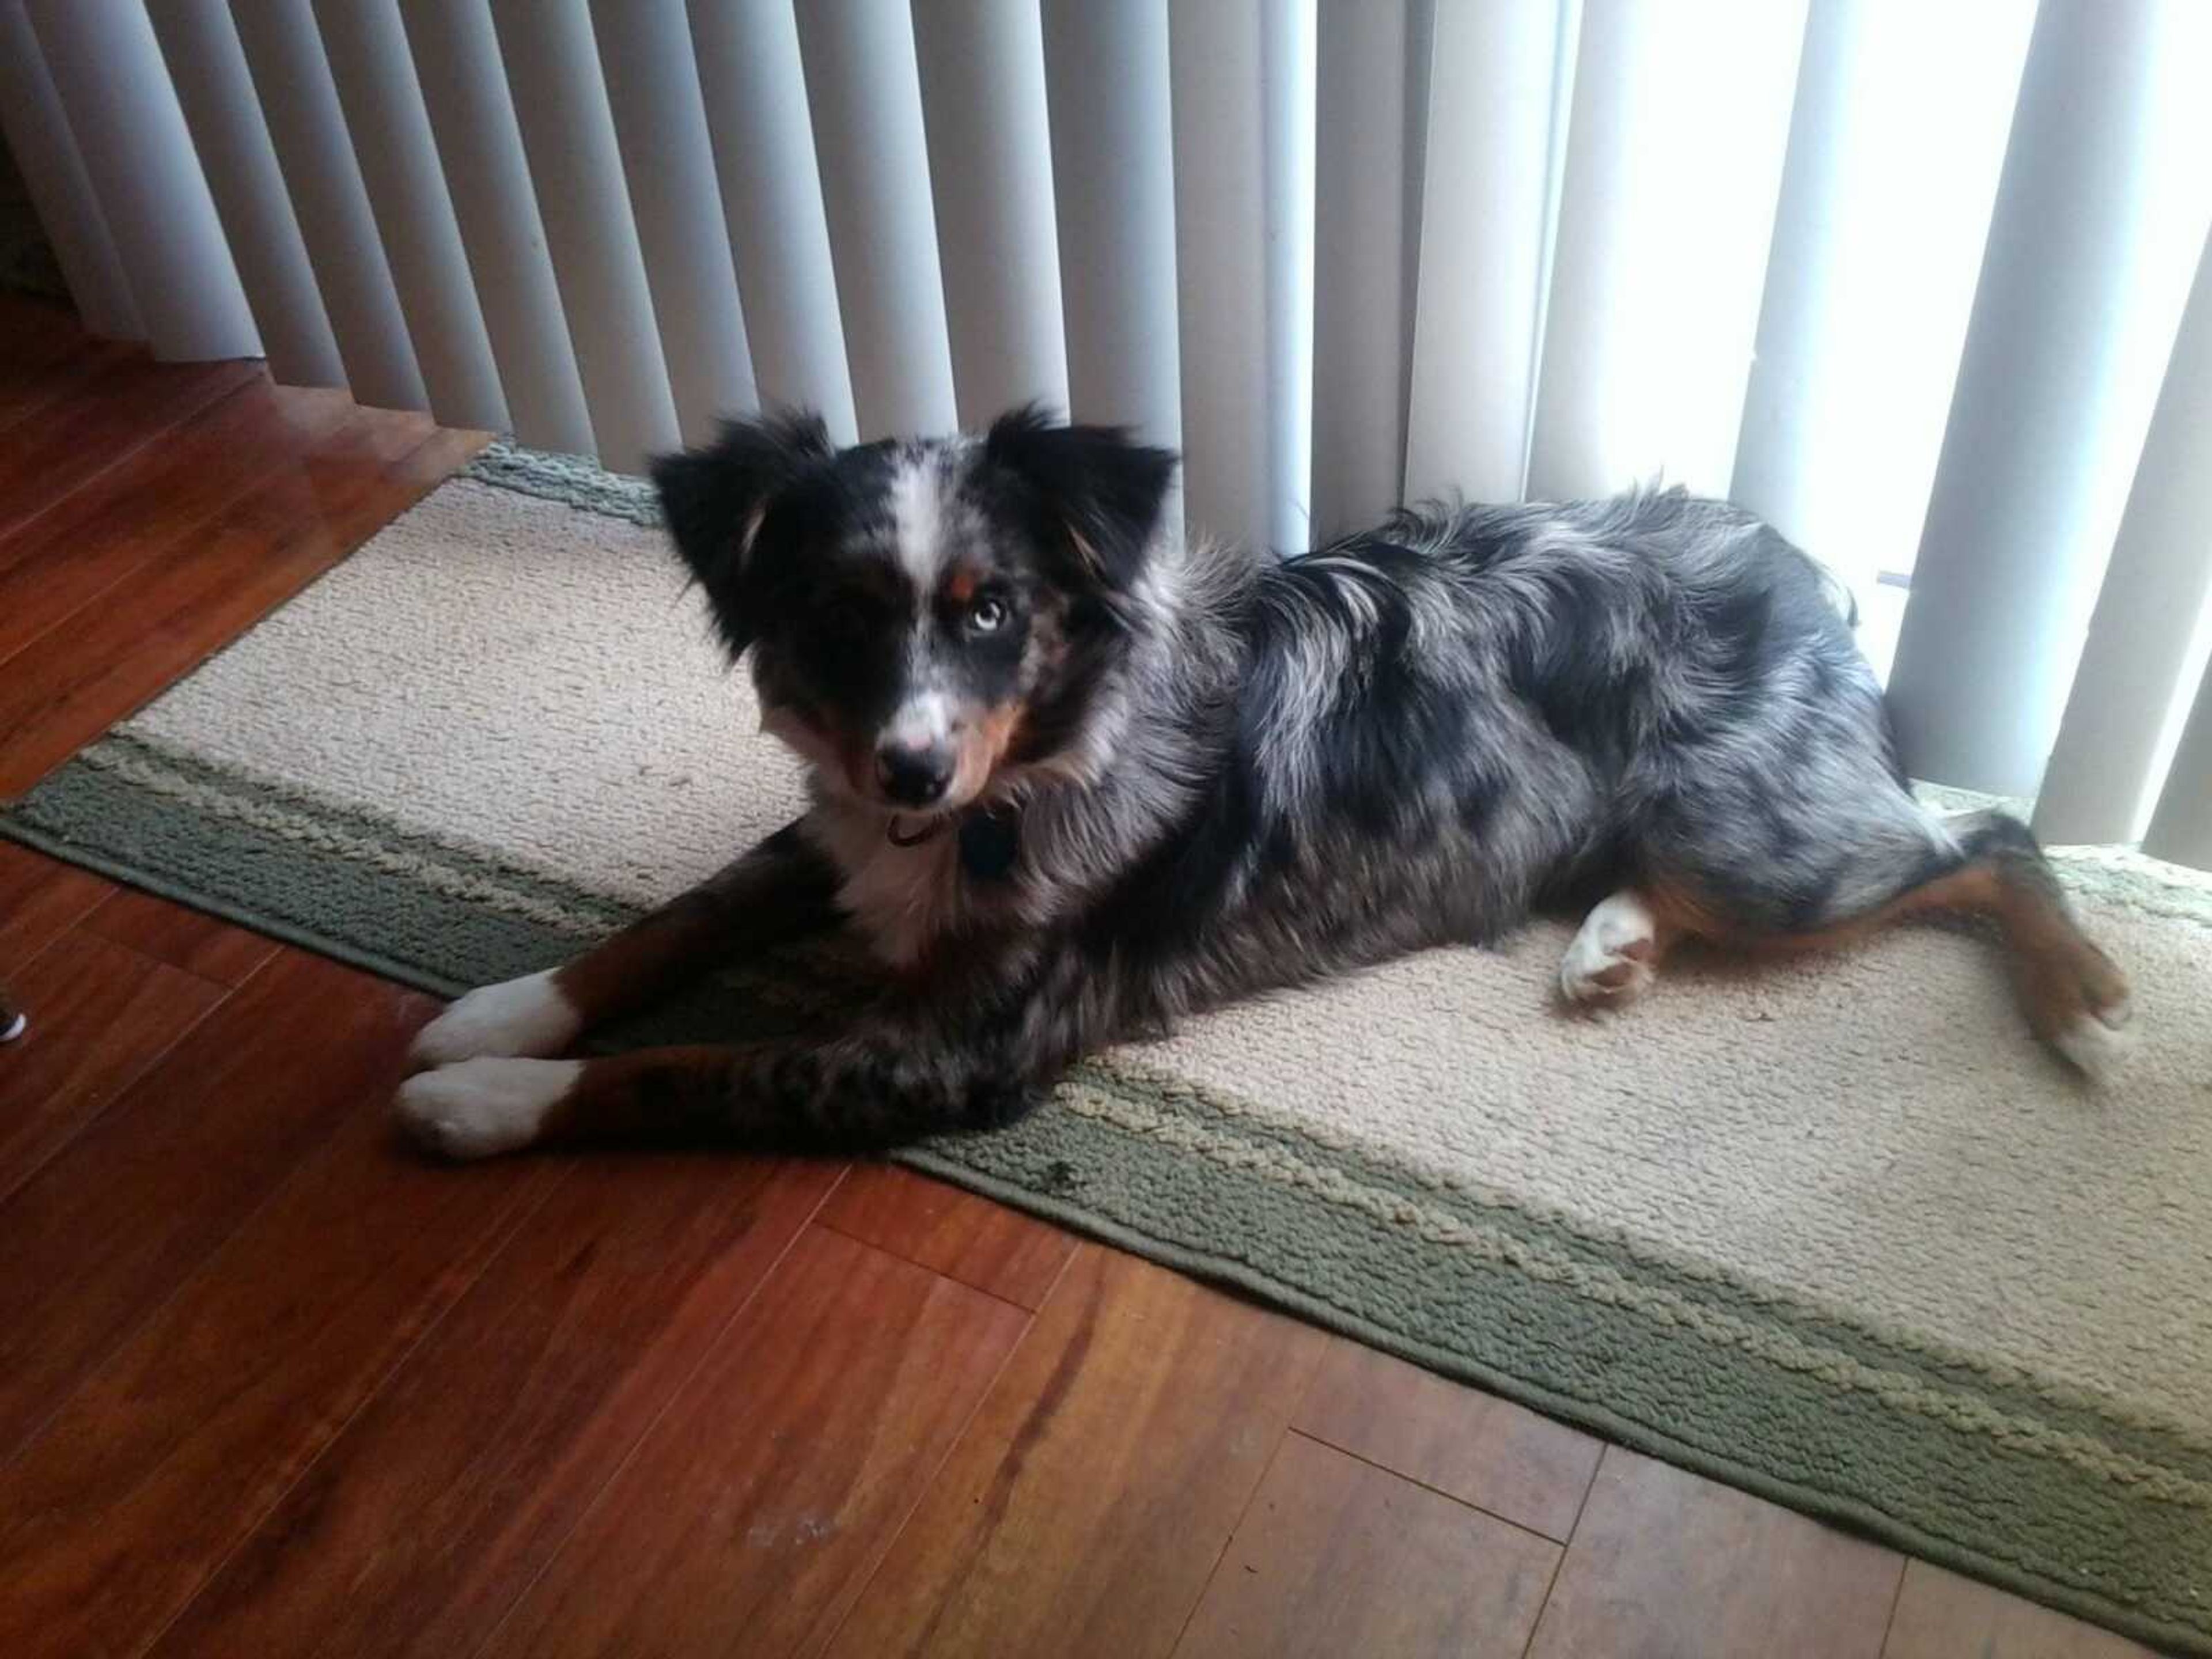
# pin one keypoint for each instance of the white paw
(2098, 1045)
(1610, 961)
(480, 1107)
(526, 1015)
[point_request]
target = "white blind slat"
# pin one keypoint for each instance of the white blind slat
(1241, 94)
(1219, 94)
(106, 67)
(1287, 42)
(1370, 113)
(2100, 214)
(990, 169)
(1894, 151)
(863, 92)
(46, 155)
(299, 102)
(367, 48)
(652, 84)
(1680, 116)
(569, 135)
(213, 84)
(2181, 826)
(455, 53)
(2147, 637)
(1484, 195)
(1113, 167)
(755, 89)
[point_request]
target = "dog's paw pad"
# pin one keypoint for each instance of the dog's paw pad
(1593, 973)
(482, 1107)
(1612, 958)
(522, 1018)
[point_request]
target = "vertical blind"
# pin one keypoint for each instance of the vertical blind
(1926, 286)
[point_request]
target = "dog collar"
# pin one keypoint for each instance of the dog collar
(990, 840)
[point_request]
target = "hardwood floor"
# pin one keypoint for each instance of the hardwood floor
(270, 1385)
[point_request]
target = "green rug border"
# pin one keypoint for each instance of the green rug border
(2164, 1610)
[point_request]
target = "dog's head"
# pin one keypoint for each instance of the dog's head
(922, 616)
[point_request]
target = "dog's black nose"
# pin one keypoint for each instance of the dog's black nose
(913, 776)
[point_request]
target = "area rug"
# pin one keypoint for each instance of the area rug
(1835, 1231)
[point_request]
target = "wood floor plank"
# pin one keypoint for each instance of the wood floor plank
(102, 1016)
(1940, 1614)
(185, 939)
(123, 404)
(91, 542)
(71, 685)
(40, 899)
(957, 1233)
(170, 1453)
(1664, 1561)
(46, 357)
(1483, 1451)
(758, 1505)
(441, 1502)
(111, 1225)
(1337, 1557)
(1084, 1509)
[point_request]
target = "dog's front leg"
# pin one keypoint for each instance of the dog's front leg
(782, 890)
(851, 1094)
(974, 1061)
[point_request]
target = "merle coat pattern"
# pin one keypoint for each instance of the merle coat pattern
(1074, 779)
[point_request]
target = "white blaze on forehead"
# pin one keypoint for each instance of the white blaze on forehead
(918, 520)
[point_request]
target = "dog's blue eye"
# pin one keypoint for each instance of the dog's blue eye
(987, 616)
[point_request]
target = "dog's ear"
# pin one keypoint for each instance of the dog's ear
(715, 500)
(1097, 489)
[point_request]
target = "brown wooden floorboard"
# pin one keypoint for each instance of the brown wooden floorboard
(758, 1504)
(40, 901)
(935, 1225)
(45, 358)
(441, 1502)
(100, 536)
(198, 944)
(121, 403)
(1337, 1557)
(1083, 1510)
(114, 1221)
(1475, 1447)
(1940, 1615)
(271, 1385)
(167, 1456)
(1665, 1561)
(106, 1015)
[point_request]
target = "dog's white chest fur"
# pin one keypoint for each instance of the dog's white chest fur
(900, 898)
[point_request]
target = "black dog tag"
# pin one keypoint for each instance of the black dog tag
(989, 844)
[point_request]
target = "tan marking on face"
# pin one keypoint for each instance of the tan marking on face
(980, 742)
(960, 587)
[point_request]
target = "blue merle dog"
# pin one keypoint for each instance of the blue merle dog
(1074, 778)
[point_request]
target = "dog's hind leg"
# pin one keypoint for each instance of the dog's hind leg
(1869, 876)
